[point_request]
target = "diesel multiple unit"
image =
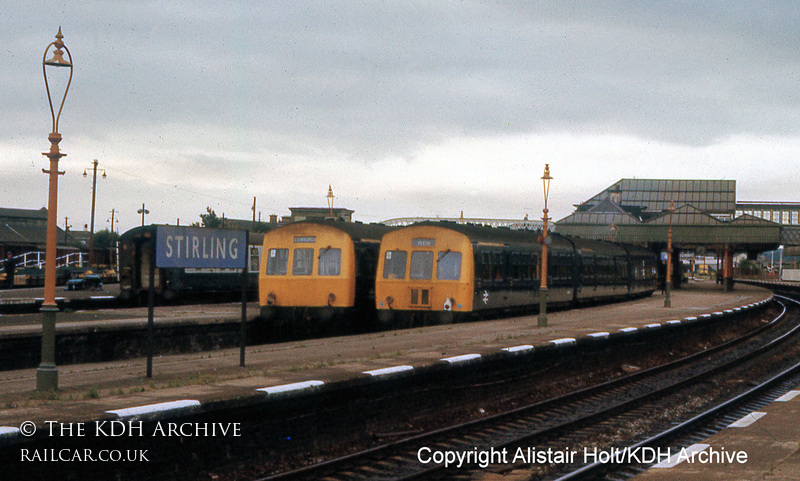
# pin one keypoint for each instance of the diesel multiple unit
(440, 271)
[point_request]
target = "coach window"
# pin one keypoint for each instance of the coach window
(277, 261)
(533, 267)
(394, 265)
(330, 262)
(486, 267)
(303, 262)
(421, 265)
(448, 267)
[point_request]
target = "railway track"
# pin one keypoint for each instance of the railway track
(601, 417)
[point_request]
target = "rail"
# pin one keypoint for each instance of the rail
(538, 424)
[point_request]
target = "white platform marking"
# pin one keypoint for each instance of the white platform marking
(788, 396)
(156, 408)
(388, 370)
(297, 386)
(682, 456)
(524, 347)
(748, 420)
(464, 358)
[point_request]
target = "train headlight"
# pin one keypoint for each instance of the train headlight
(448, 304)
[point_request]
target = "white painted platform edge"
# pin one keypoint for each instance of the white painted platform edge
(673, 321)
(462, 358)
(788, 396)
(629, 329)
(7, 431)
(386, 371)
(600, 335)
(297, 386)
(748, 420)
(565, 341)
(652, 326)
(524, 347)
(156, 408)
(676, 459)
(690, 318)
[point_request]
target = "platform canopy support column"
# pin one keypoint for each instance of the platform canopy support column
(727, 270)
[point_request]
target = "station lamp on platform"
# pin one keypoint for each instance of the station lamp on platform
(545, 241)
(47, 373)
(330, 197)
(668, 278)
(144, 212)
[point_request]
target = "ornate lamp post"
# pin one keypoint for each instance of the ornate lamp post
(545, 241)
(47, 373)
(668, 280)
(330, 197)
(94, 192)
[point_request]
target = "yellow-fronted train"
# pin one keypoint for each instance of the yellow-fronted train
(440, 271)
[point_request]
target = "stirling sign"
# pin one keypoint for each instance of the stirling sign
(200, 247)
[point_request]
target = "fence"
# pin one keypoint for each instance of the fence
(37, 260)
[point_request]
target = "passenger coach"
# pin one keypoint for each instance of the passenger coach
(438, 271)
(315, 272)
(136, 252)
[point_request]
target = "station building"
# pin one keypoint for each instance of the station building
(698, 215)
(24, 230)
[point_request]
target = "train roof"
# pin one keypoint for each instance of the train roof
(254, 238)
(356, 230)
(485, 234)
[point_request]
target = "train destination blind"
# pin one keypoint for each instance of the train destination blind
(200, 247)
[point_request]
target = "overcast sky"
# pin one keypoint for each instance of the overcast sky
(407, 108)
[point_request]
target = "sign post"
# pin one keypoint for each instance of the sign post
(243, 330)
(199, 248)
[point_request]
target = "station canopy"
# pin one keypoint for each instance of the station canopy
(703, 213)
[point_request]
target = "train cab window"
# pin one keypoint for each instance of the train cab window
(303, 262)
(421, 265)
(448, 267)
(394, 265)
(330, 262)
(277, 262)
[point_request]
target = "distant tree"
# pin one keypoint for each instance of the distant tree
(210, 219)
(103, 239)
(105, 242)
(748, 267)
(261, 227)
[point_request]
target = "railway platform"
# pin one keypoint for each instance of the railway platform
(763, 445)
(96, 391)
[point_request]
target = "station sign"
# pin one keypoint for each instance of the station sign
(200, 247)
